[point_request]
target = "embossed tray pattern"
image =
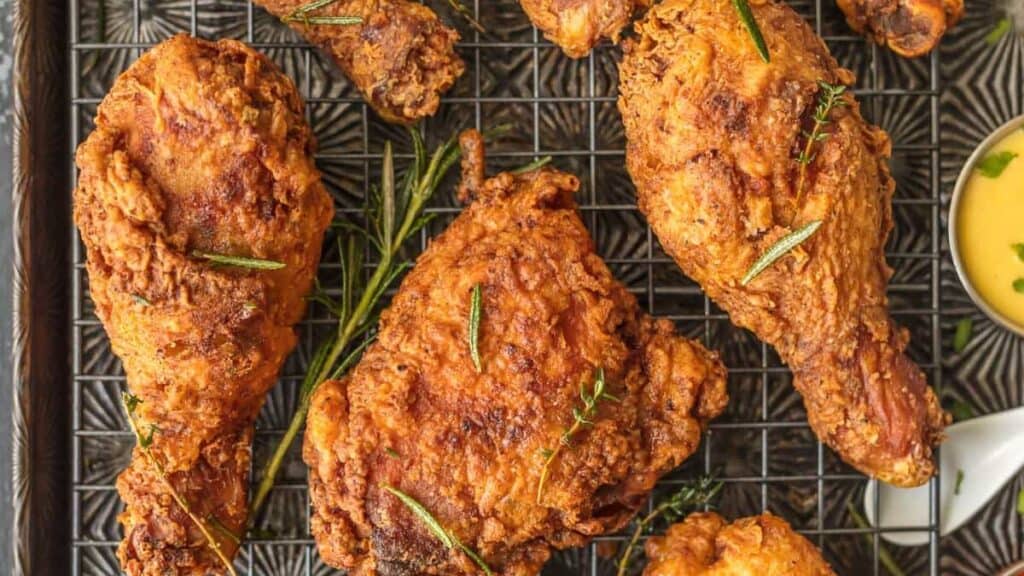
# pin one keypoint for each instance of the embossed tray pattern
(936, 110)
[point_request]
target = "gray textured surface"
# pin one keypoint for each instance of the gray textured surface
(6, 298)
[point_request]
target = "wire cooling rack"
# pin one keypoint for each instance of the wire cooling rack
(761, 448)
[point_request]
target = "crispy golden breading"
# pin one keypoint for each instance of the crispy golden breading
(416, 415)
(401, 58)
(705, 545)
(199, 146)
(909, 27)
(713, 136)
(578, 25)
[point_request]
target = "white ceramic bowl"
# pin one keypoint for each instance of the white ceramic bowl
(954, 210)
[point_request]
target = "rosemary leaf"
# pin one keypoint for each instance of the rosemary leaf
(750, 23)
(392, 453)
(238, 261)
(329, 20)
(963, 334)
(997, 33)
(780, 249)
(959, 482)
(474, 326)
(535, 165)
(883, 553)
(1020, 502)
(141, 300)
(447, 538)
(463, 11)
(690, 497)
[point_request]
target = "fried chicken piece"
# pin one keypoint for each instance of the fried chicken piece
(706, 545)
(401, 57)
(416, 415)
(909, 27)
(199, 146)
(578, 25)
(714, 134)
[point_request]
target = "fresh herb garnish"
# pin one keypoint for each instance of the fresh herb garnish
(449, 539)
(463, 11)
(997, 33)
(303, 14)
(582, 417)
(959, 482)
(1020, 502)
(392, 453)
(883, 553)
(475, 303)
(394, 214)
(1018, 285)
(239, 261)
(141, 300)
(964, 329)
(691, 496)
(747, 17)
(145, 442)
(780, 249)
(535, 165)
(830, 98)
(961, 411)
(992, 165)
(1019, 249)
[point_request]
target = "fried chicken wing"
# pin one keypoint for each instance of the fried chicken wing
(714, 135)
(470, 446)
(198, 147)
(706, 545)
(578, 25)
(909, 27)
(401, 57)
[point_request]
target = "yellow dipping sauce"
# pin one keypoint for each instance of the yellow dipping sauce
(990, 222)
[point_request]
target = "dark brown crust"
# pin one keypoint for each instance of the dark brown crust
(198, 146)
(713, 136)
(910, 28)
(467, 445)
(401, 58)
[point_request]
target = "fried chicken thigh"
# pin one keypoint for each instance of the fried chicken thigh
(909, 27)
(401, 57)
(714, 134)
(706, 545)
(470, 446)
(198, 147)
(578, 25)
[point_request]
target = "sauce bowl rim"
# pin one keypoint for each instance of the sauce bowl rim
(954, 209)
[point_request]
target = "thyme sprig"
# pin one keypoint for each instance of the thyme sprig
(690, 497)
(145, 442)
(475, 305)
(582, 418)
(830, 98)
(448, 538)
(303, 14)
(394, 214)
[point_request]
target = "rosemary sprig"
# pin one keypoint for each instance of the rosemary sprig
(691, 496)
(883, 553)
(463, 11)
(750, 23)
(145, 441)
(394, 214)
(780, 249)
(475, 304)
(302, 14)
(582, 417)
(449, 539)
(238, 261)
(830, 98)
(535, 165)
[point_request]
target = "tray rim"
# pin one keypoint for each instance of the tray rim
(40, 193)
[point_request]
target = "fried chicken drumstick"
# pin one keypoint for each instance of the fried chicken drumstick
(415, 415)
(714, 137)
(200, 147)
(578, 25)
(401, 57)
(909, 27)
(706, 545)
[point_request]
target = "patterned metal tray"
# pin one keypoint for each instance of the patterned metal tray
(71, 437)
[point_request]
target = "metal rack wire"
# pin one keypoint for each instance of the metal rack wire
(762, 449)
